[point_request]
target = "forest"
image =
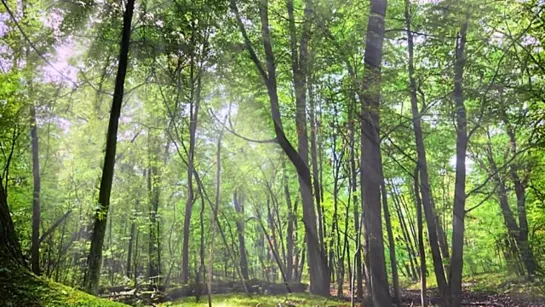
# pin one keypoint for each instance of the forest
(272, 153)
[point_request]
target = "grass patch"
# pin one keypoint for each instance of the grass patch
(233, 300)
(19, 287)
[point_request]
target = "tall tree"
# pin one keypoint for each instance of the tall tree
(425, 188)
(94, 261)
(35, 250)
(239, 208)
(317, 262)
(194, 103)
(371, 168)
(458, 227)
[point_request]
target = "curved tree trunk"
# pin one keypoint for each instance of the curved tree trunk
(317, 262)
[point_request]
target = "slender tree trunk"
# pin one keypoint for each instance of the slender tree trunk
(154, 266)
(421, 249)
(423, 168)
(300, 60)
(215, 217)
(371, 174)
(35, 249)
(391, 243)
(94, 261)
(406, 234)
(194, 112)
(315, 168)
(290, 230)
(239, 208)
(521, 247)
(520, 191)
(357, 216)
(458, 228)
(131, 243)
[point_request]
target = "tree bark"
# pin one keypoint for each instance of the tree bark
(215, 222)
(421, 249)
(520, 192)
(425, 189)
(131, 242)
(194, 112)
(391, 243)
(371, 174)
(10, 249)
(458, 228)
(154, 248)
(239, 208)
(35, 249)
(94, 261)
(290, 230)
(357, 216)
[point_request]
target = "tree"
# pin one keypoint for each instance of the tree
(458, 228)
(94, 261)
(371, 161)
(36, 193)
(317, 261)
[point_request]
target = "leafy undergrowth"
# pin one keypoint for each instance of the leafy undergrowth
(234, 300)
(19, 287)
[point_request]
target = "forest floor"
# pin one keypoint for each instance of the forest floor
(242, 300)
(22, 288)
(489, 289)
(492, 289)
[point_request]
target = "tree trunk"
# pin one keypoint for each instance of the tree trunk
(357, 216)
(421, 249)
(194, 112)
(371, 174)
(315, 168)
(35, 249)
(94, 261)
(391, 243)
(10, 249)
(300, 60)
(131, 242)
(239, 208)
(458, 228)
(154, 249)
(409, 245)
(290, 230)
(215, 222)
(423, 169)
(520, 192)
